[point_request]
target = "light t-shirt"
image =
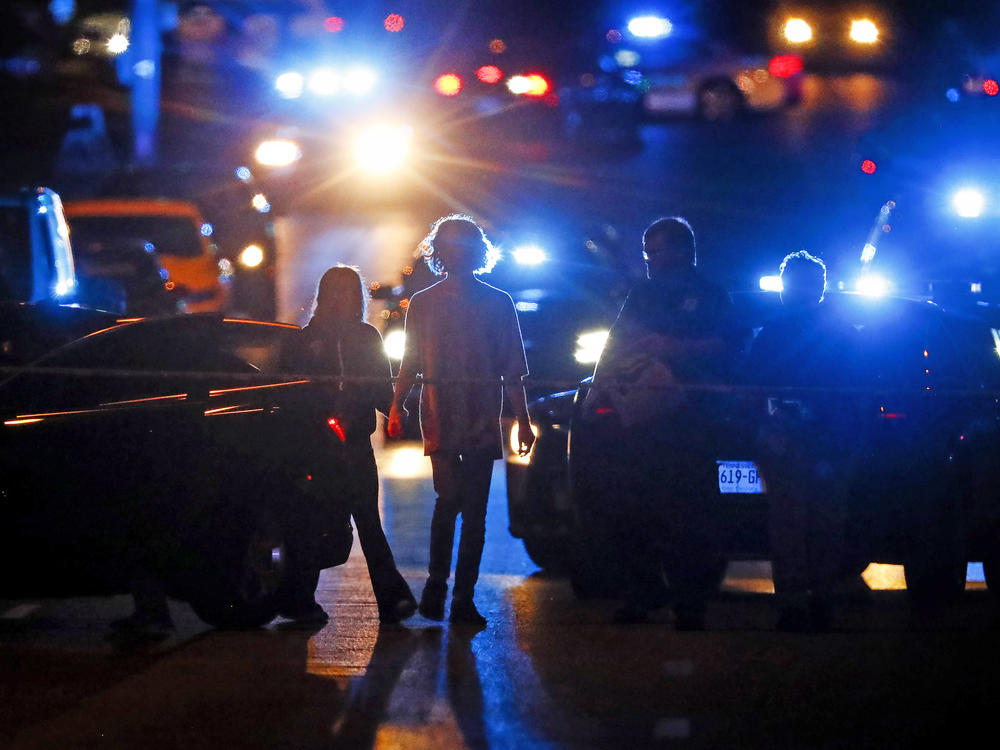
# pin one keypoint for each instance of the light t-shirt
(462, 331)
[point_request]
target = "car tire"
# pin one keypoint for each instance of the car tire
(719, 101)
(548, 553)
(936, 570)
(244, 590)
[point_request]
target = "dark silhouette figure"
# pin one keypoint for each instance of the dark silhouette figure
(675, 333)
(337, 342)
(463, 336)
(804, 442)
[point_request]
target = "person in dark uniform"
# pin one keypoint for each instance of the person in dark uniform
(338, 342)
(804, 441)
(675, 333)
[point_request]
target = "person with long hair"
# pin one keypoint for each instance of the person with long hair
(338, 342)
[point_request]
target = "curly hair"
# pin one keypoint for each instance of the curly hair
(809, 270)
(473, 233)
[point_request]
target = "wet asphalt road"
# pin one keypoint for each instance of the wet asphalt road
(547, 672)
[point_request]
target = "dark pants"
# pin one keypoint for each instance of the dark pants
(387, 583)
(462, 484)
(806, 474)
(355, 480)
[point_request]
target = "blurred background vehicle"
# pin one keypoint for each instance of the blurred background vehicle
(695, 63)
(126, 278)
(175, 230)
(923, 493)
(211, 465)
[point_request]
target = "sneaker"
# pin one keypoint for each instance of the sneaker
(432, 600)
(463, 611)
(399, 611)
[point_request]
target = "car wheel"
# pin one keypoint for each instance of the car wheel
(244, 591)
(548, 553)
(935, 572)
(719, 101)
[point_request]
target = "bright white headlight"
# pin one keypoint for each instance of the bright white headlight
(864, 32)
(324, 82)
(589, 346)
(394, 344)
(290, 84)
(968, 202)
(360, 80)
(383, 148)
(279, 152)
(529, 255)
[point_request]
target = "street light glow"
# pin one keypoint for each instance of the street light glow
(864, 31)
(798, 30)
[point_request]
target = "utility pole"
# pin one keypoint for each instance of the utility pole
(144, 55)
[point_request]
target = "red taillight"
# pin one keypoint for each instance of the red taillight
(338, 429)
(868, 166)
(785, 66)
(489, 74)
(448, 84)
(991, 87)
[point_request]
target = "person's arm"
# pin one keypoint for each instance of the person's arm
(407, 376)
(519, 403)
(378, 365)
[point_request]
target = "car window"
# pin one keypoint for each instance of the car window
(168, 235)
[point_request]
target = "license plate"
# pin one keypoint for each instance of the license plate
(739, 477)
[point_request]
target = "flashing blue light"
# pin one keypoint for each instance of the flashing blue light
(244, 173)
(632, 78)
(968, 203)
(872, 285)
(149, 247)
(650, 27)
(164, 274)
(952, 95)
(207, 229)
(529, 255)
(607, 64)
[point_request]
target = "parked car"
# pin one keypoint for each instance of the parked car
(174, 229)
(30, 330)
(177, 440)
(126, 278)
(36, 259)
(922, 493)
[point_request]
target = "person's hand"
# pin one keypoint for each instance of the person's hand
(396, 416)
(525, 437)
